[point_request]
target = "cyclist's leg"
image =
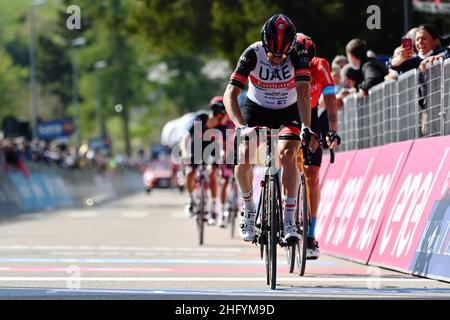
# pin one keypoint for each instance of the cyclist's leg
(223, 193)
(190, 184)
(254, 115)
(244, 177)
(290, 180)
(288, 151)
(190, 178)
(312, 170)
(212, 172)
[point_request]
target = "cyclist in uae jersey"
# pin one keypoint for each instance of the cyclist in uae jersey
(321, 84)
(278, 96)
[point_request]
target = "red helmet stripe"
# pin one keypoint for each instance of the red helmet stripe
(281, 24)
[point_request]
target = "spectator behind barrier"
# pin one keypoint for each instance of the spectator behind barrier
(445, 41)
(12, 158)
(429, 49)
(372, 70)
(350, 78)
(339, 61)
(401, 53)
(337, 64)
(336, 74)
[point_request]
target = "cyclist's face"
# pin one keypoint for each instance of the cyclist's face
(276, 59)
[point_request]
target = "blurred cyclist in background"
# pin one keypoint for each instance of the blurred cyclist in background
(227, 168)
(214, 119)
(321, 84)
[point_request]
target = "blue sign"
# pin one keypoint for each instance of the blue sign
(9, 202)
(56, 129)
(101, 145)
(432, 257)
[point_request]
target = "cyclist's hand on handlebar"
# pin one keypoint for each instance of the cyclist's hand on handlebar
(333, 139)
(309, 138)
(245, 131)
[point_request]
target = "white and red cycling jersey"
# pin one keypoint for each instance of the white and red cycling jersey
(271, 87)
(321, 80)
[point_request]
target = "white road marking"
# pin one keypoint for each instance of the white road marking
(108, 248)
(132, 214)
(116, 248)
(136, 248)
(83, 214)
(285, 292)
(178, 214)
(210, 279)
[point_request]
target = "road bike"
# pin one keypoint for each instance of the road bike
(296, 250)
(269, 215)
(231, 206)
(200, 196)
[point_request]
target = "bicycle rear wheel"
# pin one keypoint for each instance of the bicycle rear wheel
(302, 223)
(201, 212)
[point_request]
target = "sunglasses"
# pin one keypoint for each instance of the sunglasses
(271, 55)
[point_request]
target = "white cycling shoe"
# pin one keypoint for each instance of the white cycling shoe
(247, 229)
(290, 232)
(312, 251)
(223, 219)
(212, 220)
(189, 209)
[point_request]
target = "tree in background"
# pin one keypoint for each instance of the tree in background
(13, 98)
(163, 56)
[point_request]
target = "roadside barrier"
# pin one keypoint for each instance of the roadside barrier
(50, 187)
(388, 206)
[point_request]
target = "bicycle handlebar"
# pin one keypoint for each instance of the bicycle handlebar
(292, 137)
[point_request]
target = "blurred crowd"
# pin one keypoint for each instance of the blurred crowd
(19, 153)
(361, 69)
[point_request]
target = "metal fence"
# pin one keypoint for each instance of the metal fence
(415, 105)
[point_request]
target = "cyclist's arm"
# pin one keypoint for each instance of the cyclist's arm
(184, 144)
(238, 80)
(300, 60)
(303, 101)
(331, 106)
(328, 93)
(230, 99)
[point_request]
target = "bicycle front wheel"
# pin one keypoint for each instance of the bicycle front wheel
(291, 249)
(273, 230)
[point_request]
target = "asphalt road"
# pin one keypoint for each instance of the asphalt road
(143, 247)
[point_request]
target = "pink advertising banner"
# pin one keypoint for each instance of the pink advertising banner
(349, 194)
(324, 167)
(335, 179)
(358, 216)
(423, 181)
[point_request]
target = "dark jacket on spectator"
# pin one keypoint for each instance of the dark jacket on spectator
(414, 62)
(373, 72)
